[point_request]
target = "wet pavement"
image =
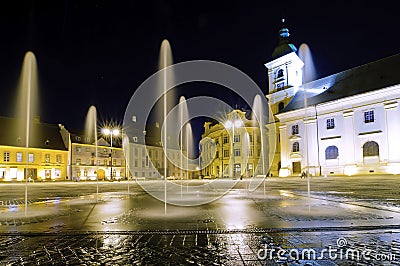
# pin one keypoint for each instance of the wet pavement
(69, 224)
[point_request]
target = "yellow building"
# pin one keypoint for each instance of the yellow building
(46, 158)
(232, 149)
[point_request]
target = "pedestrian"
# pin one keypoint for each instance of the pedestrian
(303, 174)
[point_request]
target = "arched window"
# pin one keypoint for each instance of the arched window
(331, 152)
(279, 74)
(370, 148)
(281, 105)
(295, 147)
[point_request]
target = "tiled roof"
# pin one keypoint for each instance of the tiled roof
(372, 76)
(42, 135)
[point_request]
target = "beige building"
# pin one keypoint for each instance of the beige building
(91, 162)
(232, 149)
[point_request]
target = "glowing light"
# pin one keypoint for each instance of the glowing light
(235, 124)
(107, 131)
(238, 123)
(115, 132)
(228, 124)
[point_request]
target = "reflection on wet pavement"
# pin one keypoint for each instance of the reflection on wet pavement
(74, 227)
(161, 248)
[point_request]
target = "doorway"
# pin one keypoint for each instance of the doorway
(296, 167)
(101, 174)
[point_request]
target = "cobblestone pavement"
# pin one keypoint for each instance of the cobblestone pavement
(201, 248)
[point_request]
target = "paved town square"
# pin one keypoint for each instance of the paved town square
(69, 222)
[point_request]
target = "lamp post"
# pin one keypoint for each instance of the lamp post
(111, 132)
(232, 124)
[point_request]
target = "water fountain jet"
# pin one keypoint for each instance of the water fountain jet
(165, 61)
(309, 71)
(91, 133)
(27, 108)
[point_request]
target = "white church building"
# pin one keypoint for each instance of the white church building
(344, 124)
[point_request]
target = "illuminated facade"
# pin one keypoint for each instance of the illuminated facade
(343, 124)
(231, 150)
(146, 161)
(46, 158)
(87, 164)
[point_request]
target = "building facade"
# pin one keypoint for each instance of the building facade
(232, 149)
(145, 158)
(343, 124)
(96, 162)
(45, 159)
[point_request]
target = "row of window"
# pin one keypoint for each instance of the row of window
(31, 157)
(89, 149)
(236, 138)
(236, 152)
(145, 162)
(370, 148)
(155, 153)
(369, 117)
(85, 173)
(105, 161)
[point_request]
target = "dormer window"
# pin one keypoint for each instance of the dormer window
(47, 142)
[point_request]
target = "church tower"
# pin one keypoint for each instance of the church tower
(284, 72)
(284, 75)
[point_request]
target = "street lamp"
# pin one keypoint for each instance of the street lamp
(229, 124)
(111, 132)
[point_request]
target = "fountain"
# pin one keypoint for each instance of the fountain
(309, 72)
(152, 94)
(185, 140)
(182, 115)
(27, 108)
(91, 133)
(165, 61)
(267, 148)
(189, 150)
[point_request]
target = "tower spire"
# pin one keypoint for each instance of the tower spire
(284, 46)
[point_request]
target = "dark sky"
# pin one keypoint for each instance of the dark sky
(98, 52)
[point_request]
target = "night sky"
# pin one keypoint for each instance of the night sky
(99, 52)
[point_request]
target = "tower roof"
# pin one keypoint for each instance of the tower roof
(284, 46)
